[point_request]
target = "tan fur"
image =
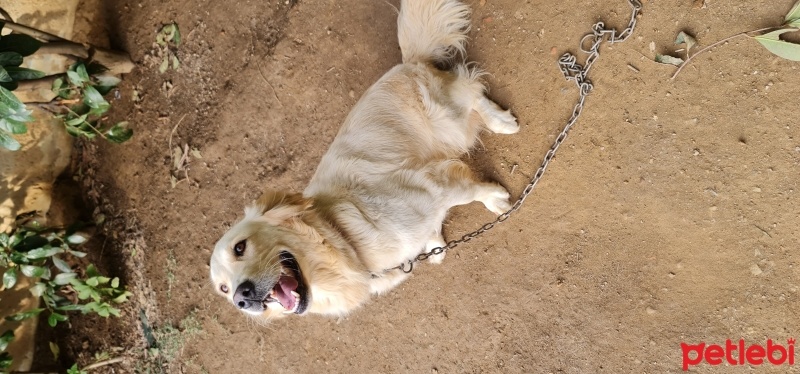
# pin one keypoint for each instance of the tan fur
(381, 192)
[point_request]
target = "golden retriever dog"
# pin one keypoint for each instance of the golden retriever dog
(382, 190)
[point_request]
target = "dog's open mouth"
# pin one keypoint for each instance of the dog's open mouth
(290, 290)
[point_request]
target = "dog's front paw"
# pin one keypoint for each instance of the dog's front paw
(502, 122)
(434, 243)
(495, 198)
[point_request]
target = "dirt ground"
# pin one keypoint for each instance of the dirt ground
(668, 216)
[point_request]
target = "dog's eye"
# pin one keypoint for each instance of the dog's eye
(238, 249)
(223, 288)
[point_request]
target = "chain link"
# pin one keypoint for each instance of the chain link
(568, 63)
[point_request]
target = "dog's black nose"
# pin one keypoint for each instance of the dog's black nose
(244, 295)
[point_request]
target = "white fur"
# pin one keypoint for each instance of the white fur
(381, 192)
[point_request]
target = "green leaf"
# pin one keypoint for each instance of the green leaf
(38, 289)
(43, 252)
(24, 315)
(781, 48)
(57, 84)
(115, 282)
(113, 311)
(122, 298)
(176, 37)
(5, 339)
(10, 59)
(61, 265)
(77, 254)
(175, 62)
(103, 312)
(22, 44)
(74, 78)
(92, 281)
(666, 59)
(9, 279)
(94, 100)
(91, 271)
(55, 318)
(76, 239)
(34, 271)
(10, 125)
(684, 38)
(12, 108)
(164, 65)
(77, 120)
(84, 291)
(119, 133)
(794, 14)
(21, 74)
(63, 279)
(4, 76)
(81, 70)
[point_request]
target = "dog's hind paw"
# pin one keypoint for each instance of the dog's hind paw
(497, 120)
(495, 198)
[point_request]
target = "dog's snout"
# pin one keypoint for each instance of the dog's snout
(244, 295)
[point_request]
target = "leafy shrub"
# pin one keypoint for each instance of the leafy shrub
(46, 254)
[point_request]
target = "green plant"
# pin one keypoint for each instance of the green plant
(46, 254)
(13, 114)
(85, 118)
(75, 370)
(5, 357)
(168, 40)
(36, 253)
(768, 37)
(83, 85)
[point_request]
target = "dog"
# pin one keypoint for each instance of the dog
(381, 192)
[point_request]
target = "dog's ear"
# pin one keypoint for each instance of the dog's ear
(278, 208)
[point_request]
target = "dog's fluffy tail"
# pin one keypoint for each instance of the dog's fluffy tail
(432, 30)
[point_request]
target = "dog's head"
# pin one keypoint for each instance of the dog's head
(258, 264)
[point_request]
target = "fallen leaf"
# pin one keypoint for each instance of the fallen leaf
(699, 4)
(684, 38)
(196, 153)
(164, 65)
(177, 158)
(669, 60)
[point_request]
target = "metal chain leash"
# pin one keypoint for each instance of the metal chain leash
(572, 72)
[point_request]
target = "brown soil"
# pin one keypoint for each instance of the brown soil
(668, 216)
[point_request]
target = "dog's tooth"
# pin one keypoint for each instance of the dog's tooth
(288, 312)
(295, 294)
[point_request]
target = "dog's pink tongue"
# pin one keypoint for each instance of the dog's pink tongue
(284, 290)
